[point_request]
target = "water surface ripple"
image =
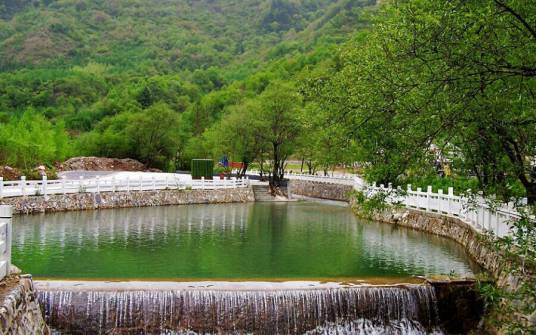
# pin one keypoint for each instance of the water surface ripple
(255, 241)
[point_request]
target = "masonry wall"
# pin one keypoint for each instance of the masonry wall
(322, 190)
(475, 244)
(448, 227)
(20, 313)
(425, 221)
(87, 201)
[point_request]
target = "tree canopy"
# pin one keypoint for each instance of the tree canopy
(456, 77)
(99, 68)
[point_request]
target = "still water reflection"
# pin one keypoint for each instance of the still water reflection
(232, 241)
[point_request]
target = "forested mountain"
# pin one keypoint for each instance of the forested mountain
(87, 71)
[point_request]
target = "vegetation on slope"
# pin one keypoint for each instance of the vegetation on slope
(101, 70)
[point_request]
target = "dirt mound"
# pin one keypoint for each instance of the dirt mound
(9, 173)
(101, 164)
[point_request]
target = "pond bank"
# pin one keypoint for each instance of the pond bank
(106, 200)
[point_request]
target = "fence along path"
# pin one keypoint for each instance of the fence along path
(5, 240)
(473, 210)
(46, 187)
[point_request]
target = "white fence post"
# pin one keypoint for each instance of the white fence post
(418, 204)
(113, 184)
(128, 184)
(1, 187)
(141, 183)
(440, 201)
(428, 198)
(23, 186)
(81, 184)
(97, 181)
(481, 211)
(63, 185)
(202, 183)
(449, 200)
(45, 191)
(154, 183)
(5, 239)
(408, 196)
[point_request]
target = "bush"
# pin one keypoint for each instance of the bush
(368, 206)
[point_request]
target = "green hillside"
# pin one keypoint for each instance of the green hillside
(83, 69)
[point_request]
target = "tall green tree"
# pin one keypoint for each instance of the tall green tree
(239, 135)
(280, 126)
(459, 75)
(155, 134)
(30, 140)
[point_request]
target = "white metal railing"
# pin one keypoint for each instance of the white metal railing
(5, 240)
(46, 187)
(475, 211)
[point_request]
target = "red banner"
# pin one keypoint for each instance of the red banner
(236, 165)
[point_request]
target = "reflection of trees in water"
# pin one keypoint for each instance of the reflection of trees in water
(389, 245)
(302, 237)
(148, 223)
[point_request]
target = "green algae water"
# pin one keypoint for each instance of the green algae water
(258, 241)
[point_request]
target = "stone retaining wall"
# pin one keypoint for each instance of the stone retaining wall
(322, 190)
(448, 227)
(86, 201)
(20, 313)
(477, 245)
(455, 229)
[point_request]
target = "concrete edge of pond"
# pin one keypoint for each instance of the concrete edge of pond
(72, 285)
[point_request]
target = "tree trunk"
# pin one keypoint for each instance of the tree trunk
(275, 180)
(531, 193)
(242, 172)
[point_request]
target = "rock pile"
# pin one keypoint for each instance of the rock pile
(9, 173)
(101, 164)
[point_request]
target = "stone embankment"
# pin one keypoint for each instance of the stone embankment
(448, 227)
(87, 201)
(19, 309)
(321, 190)
(479, 246)
(455, 229)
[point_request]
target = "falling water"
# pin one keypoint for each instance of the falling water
(408, 309)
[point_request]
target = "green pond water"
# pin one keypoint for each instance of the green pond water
(300, 240)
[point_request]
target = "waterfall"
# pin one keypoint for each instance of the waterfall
(405, 309)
